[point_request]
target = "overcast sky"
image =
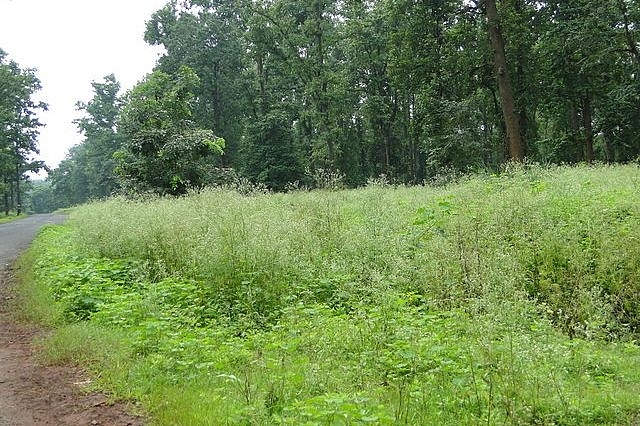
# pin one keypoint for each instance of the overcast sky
(72, 43)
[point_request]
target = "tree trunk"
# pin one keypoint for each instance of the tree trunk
(608, 148)
(589, 156)
(322, 102)
(520, 83)
(574, 122)
(217, 113)
(263, 83)
(514, 139)
(18, 197)
(6, 196)
(408, 136)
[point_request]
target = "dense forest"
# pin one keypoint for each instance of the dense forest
(298, 93)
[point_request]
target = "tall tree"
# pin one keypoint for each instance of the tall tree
(88, 171)
(101, 138)
(208, 37)
(515, 143)
(19, 129)
(589, 78)
(163, 151)
(408, 88)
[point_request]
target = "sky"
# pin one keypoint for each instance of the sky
(72, 43)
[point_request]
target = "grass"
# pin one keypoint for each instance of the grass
(511, 298)
(11, 217)
(33, 301)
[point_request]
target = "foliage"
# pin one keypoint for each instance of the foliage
(163, 152)
(507, 298)
(18, 130)
(209, 43)
(42, 198)
(88, 171)
(410, 90)
(272, 158)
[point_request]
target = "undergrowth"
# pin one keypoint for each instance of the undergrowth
(511, 298)
(11, 216)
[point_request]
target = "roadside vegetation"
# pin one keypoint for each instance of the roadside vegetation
(11, 217)
(499, 299)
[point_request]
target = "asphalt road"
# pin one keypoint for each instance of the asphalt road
(16, 236)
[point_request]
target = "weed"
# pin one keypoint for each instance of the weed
(510, 298)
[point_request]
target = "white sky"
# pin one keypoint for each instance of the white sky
(72, 43)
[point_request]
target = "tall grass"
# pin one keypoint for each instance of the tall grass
(512, 298)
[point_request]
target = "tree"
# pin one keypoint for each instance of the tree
(70, 180)
(514, 136)
(42, 199)
(163, 151)
(207, 36)
(19, 130)
(408, 88)
(273, 158)
(88, 171)
(101, 138)
(590, 75)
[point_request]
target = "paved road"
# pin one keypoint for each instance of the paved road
(17, 235)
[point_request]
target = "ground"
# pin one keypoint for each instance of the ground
(33, 394)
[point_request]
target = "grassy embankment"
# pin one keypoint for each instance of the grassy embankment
(504, 299)
(11, 217)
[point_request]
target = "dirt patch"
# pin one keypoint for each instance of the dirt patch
(32, 394)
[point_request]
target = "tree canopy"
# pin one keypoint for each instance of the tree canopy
(19, 129)
(405, 88)
(163, 150)
(88, 170)
(359, 89)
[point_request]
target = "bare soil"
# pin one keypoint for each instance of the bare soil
(33, 394)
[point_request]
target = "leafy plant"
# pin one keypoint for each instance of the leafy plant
(503, 299)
